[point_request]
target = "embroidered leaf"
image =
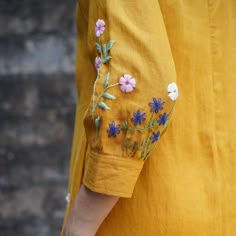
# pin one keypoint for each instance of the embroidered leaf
(107, 59)
(106, 80)
(124, 124)
(97, 125)
(143, 143)
(103, 105)
(98, 47)
(104, 50)
(110, 44)
(108, 96)
(97, 122)
(155, 124)
(124, 127)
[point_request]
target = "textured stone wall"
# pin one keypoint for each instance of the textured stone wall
(37, 107)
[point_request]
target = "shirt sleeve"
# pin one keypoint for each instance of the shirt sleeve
(134, 92)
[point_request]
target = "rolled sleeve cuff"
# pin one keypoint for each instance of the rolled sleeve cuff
(111, 175)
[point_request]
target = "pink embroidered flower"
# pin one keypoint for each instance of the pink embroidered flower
(98, 63)
(127, 83)
(100, 27)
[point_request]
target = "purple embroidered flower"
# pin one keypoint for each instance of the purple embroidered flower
(100, 27)
(113, 129)
(156, 105)
(98, 63)
(138, 117)
(127, 83)
(155, 136)
(163, 119)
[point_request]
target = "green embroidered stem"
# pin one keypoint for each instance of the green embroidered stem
(135, 148)
(110, 86)
(100, 96)
(171, 111)
(94, 91)
(154, 146)
(146, 147)
(129, 141)
(150, 126)
(103, 52)
(99, 40)
(141, 130)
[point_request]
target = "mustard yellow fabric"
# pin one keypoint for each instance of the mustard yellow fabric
(187, 187)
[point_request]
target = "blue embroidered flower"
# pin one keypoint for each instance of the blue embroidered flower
(155, 136)
(113, 129)
(138, 117)
(156, 105)
(163, 119)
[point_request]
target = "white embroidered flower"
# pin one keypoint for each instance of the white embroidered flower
(68, 197)
(173, 91)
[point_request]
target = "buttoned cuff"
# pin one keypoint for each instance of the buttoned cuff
(111, 175)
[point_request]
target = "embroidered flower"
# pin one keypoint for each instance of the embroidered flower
(113, 129)
(163, 119)
(155, 136)
(173, 91)
(68, 197)
(138, 117)
(156, 105)
(100, 27)
(127, 83)
(98, 63)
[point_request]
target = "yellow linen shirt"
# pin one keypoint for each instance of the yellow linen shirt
(187, 186)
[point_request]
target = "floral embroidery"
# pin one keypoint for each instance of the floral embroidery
(156, 105)
(113, 129)
(102, 58)
(127, 83)
(138, 117)
(155, 136)
(173, 91)
(100, 28)
(149, 127)
(98, 63)
(163, 119)
(153, 129)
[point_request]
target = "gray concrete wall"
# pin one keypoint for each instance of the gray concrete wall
(37, 107)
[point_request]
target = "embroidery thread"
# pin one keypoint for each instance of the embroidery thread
(126, 82)
(153, 128)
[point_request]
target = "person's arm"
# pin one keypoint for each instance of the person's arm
(88, 212)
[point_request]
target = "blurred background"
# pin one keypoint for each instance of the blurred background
(37, 108)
